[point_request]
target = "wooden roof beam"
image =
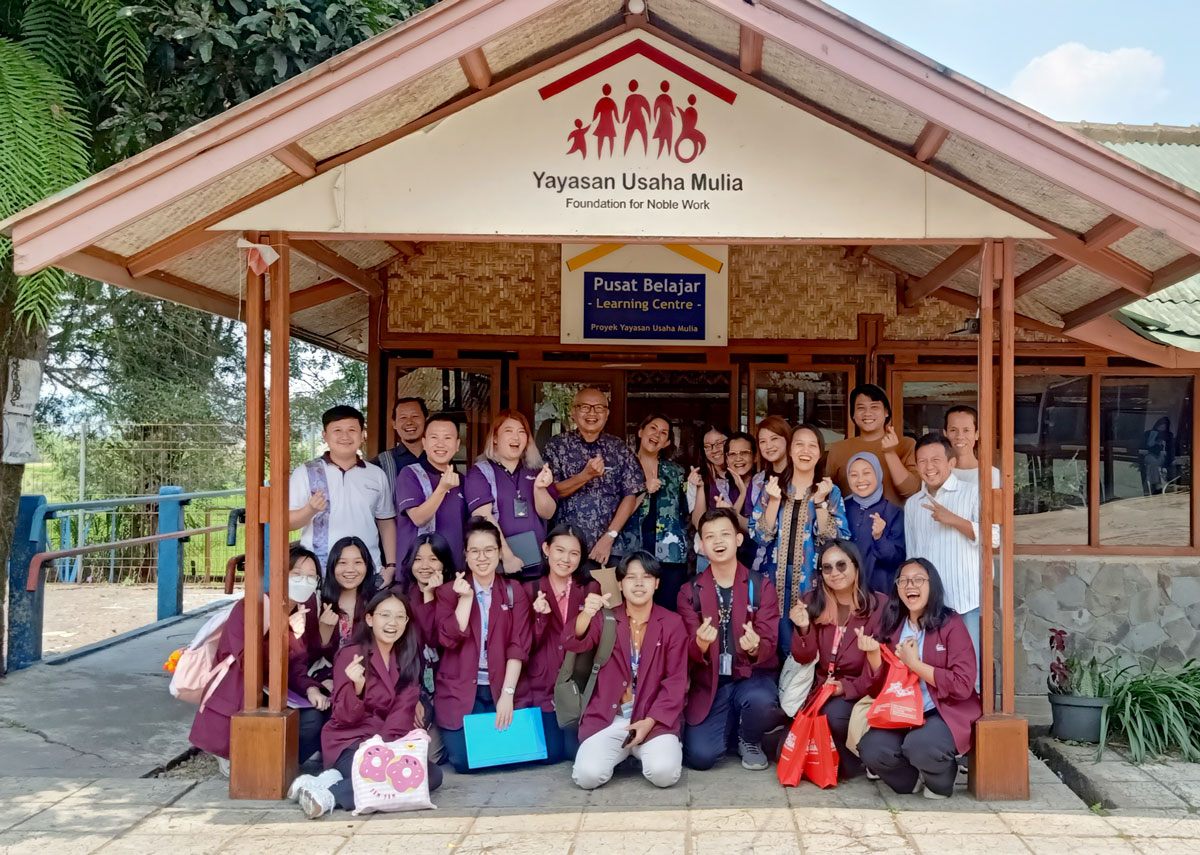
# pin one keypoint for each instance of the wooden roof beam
(296, 159)
(324, 257)
(316, 295)
(1109, 230)
(950, 267)
(750, 51)
(158, 255)
(1178, 270)
(929, 141)
(407, 248)
(108, 267)
(1048, 268)
(1106, 262)
(475, 67)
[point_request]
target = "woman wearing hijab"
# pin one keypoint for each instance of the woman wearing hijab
(876, 524)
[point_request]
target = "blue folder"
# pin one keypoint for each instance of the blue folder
(524, 740)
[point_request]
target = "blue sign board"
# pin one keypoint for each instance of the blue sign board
(644, 305)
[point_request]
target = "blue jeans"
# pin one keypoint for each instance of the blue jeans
(746, 708)
(971, 619)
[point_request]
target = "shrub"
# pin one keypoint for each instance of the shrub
(1156, 712)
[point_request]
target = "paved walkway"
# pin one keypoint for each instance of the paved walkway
(538, 811)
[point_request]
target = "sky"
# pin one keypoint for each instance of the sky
(1132, 61)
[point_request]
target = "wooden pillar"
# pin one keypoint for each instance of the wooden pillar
(264, 743)
(1000, 766)
(255, 460)
(377, 418)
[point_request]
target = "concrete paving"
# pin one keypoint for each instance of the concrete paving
(1117, 784)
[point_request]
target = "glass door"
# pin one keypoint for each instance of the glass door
(816, 394)
(469, 390)
(544, 395)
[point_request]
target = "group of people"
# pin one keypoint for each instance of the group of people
(418, 595)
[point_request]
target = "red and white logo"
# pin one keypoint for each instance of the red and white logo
(667, 126)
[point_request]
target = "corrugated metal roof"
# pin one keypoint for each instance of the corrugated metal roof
(1178, 162)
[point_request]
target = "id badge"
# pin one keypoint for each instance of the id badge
(520, 508)
(725, 665)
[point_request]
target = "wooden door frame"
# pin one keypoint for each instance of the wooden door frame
(848, 368)
(491, 367)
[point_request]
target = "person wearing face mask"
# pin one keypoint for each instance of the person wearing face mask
(658, 524)
(223, 697)
(429, 493)
(511, 487)
(877, 524)
(872, 413)
(557, 598)
(485, 630)
(797, 512)
(408, 423)
(309, 679)
(931, 639)
(836, 626)
(428, 566)
(598, 481)
(375, 693)
(636, 707)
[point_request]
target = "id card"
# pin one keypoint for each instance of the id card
(520, 508)
(725, 665)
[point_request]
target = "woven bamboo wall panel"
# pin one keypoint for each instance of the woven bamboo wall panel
(775, 292)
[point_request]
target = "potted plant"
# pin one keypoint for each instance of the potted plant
(1079, 692)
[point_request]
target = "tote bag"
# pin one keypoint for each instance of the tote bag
(794, 756)
(392, 776)
(900, 703)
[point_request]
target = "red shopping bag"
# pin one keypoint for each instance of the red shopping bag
(900, 703)
(821, 757)
(794, 757)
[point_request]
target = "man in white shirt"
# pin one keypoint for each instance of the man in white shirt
(341, 495)
(941, 523)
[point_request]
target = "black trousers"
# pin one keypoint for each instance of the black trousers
(672, 579)
(898, 756)
(837, 712)
(343, 790)
(310, 724)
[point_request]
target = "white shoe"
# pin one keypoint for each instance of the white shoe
(930, 794)
(223, 766)
(920, 785)
(325, 780)
(871, 776)
(315, 801)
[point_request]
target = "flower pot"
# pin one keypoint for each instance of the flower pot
(1076, 718)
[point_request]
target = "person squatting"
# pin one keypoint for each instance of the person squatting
(420, 594)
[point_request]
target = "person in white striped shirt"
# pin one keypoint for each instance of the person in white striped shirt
(941, 523)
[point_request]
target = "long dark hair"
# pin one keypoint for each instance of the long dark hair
(441, 551)
(407, 649)
(331, 590)
(702, 463)
(822, 606)
(581, 576)
(936, 612)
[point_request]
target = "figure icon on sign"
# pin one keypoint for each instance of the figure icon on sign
(578, 138)
(606, 116)
(688, 117)
(636, 117)
(664, 119)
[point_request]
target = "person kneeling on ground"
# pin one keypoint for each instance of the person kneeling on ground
(376, 692)
(733, 634)
(637, 704)
(932, 640)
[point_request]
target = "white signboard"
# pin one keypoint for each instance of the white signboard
(633, 138)
(645, 294)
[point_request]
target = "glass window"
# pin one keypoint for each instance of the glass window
(1051, 444)
(690, 399)
(926, 403)
(816, 397)
(1145, 460)
(552, 406)
(464, 393)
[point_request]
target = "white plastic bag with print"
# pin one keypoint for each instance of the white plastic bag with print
(392, 776)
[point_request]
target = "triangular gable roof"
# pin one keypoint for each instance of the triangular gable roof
(1118, 230)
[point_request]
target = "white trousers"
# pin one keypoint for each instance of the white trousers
(598, 756)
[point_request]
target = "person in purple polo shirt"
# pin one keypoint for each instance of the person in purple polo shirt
(429, 494)
(598, 479)
(510, 486)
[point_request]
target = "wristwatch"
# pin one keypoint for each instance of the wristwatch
(612, 532)
(509, 690)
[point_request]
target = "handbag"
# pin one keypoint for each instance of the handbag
(577, 677)
(793, 758)
(795, 682)
(900, 703)
(391, 776)
(820, 755)
(858, 726)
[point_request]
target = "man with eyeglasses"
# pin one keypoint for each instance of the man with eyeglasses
(597, 477)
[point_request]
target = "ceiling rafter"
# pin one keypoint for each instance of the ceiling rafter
(316, 295)
(947, 269)
(750, 51)
(295, 158)
(929, 141)
(475, 67)
(323, 256)
(1165, 276)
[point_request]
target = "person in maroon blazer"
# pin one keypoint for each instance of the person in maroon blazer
(210, 728)
(485, 631)
(731, 651)
(349, 583)
(557, 599)
(932, 640)
(833, 625)
(376, 692)
(636, 706)
(428, 565)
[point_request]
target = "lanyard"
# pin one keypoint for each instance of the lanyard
(483, 618)
(837, 643)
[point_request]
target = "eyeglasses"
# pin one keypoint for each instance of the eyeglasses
(911, 581)
(739, 454)
(591, 408)
(486, 552)
(714, 446)
(295, 577)
(396, 616)
(837, 567)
